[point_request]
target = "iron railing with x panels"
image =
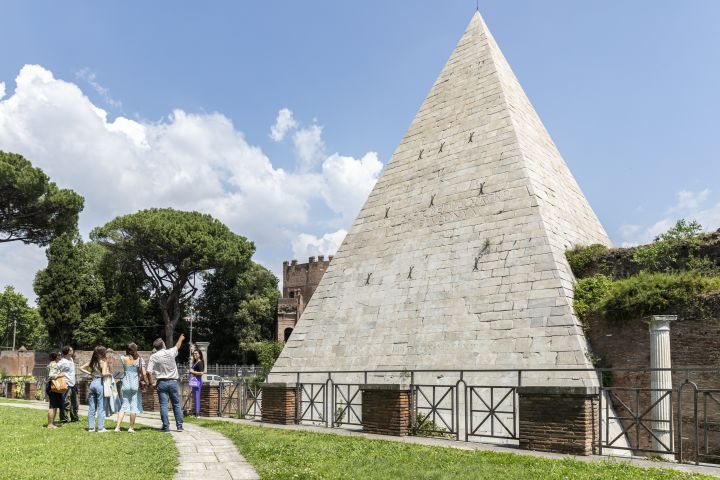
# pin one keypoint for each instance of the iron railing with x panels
(462, 405)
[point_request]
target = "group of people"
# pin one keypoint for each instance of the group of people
(103, 397)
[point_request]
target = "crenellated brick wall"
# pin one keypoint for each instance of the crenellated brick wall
(299, 283)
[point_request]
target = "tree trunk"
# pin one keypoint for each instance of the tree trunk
(171, 315)
(169, 327)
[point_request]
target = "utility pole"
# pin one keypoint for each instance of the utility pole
(14, 324)
(192, 317)
(14, 328)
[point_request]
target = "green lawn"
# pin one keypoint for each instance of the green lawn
(12, 400)
(30, 451)
(287, 454)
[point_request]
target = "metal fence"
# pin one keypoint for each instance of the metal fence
(482, 405)
(226, 371)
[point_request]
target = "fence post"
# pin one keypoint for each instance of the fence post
(243, 399)
(221, 389)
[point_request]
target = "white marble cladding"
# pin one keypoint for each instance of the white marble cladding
(457, 259)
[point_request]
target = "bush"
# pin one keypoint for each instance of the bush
(425, 427)
(653, 293)
(583, 260)
(671, 251)
(268, 352)
(589, 295)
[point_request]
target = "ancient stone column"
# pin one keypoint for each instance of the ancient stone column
(661, 383)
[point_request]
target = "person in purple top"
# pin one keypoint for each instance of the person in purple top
(196, 377)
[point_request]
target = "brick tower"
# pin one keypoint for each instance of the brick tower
(299, 283)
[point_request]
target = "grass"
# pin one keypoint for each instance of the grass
(12, 400)
(30, 451)
(288, 454)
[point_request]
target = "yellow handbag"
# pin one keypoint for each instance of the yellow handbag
(59, 384)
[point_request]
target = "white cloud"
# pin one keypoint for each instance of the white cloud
(186, 161)
(309, 146)
(688, 200)
(306, 245)
(2, 90)
(283, 124)
(90, 77)
(688, 205)
(18, 265)
(348, 182)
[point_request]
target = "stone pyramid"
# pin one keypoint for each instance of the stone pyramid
(457, 259)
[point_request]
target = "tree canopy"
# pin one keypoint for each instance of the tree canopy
(238, 309)
(32, 208)
(15, 312)
(59, 287)
(86, 299)
(171, 247)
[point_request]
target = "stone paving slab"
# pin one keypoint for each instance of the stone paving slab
(203, 453)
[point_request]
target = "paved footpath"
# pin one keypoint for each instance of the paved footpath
(203, 453)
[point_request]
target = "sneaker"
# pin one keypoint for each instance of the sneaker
(131, 430)
(91, 430)
(163, 429)
(180, 429)
(117, 429)
(103, 431)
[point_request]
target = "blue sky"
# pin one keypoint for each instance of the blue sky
(628, 91)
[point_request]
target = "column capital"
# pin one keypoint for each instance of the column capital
(660, 322)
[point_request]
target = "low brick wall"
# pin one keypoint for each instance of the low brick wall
(150, 401)
(279, 403)
(209, 401)
(31, 391)
(694, 342)
(386, 409)
(558, 419)
(83, 392)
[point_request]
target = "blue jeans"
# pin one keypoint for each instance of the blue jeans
(96, 404)
(169, 388)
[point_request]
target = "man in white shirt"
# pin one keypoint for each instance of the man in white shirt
(162, 365)
(70, 398)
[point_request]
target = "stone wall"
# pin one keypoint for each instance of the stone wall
(618, 262)
(21, 363)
